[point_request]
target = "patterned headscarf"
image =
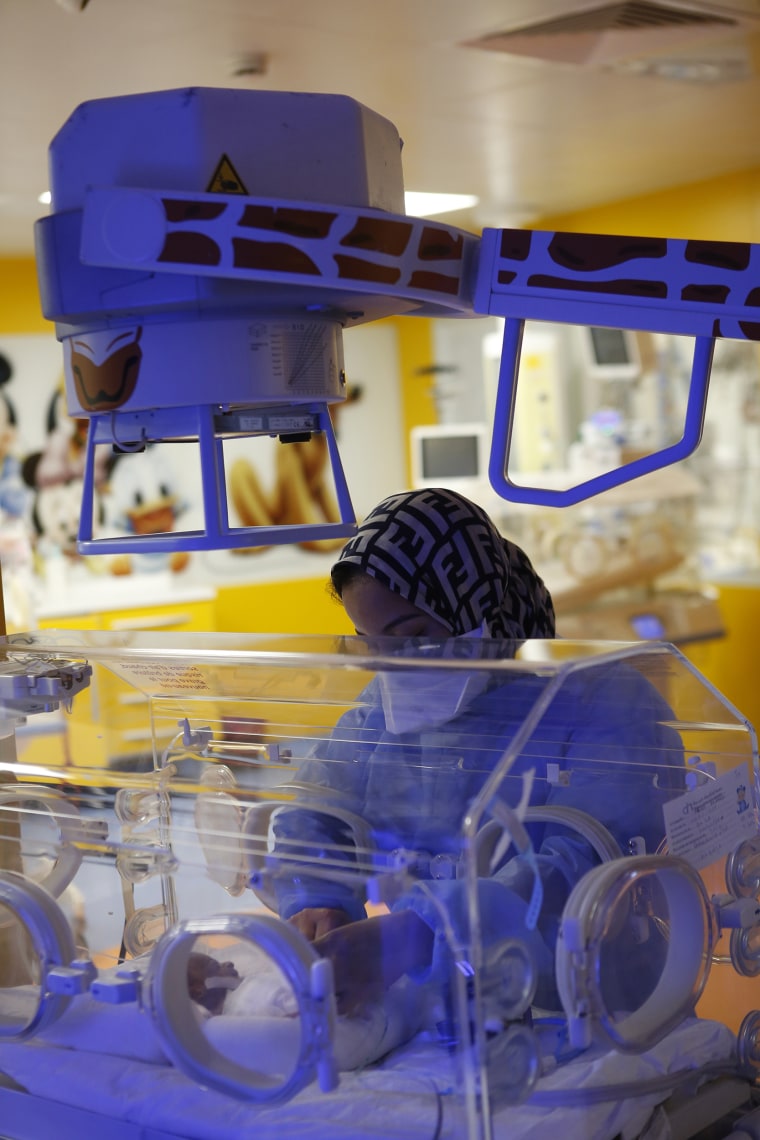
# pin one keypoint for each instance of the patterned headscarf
(443, 554)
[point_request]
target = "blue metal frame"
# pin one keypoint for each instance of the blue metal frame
(698, 289)
(197, 422)
(506, 396)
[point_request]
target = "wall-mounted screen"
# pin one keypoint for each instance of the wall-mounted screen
(450, 455)
(611, 354)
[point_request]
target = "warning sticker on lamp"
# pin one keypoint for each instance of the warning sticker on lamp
(225, 179)
(711, 820)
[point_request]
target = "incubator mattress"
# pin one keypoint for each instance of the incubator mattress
(404, 1097)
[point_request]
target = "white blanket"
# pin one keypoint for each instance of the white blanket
(408, 1096)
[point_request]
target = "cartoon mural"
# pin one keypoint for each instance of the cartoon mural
(302, 490)
(143, 498)
(12, 494)
(53, 475)
(15, 542)
(61, 455)
(42, 454)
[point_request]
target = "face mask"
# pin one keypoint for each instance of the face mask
(426, 698)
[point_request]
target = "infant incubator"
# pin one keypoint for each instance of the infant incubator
(575, 823)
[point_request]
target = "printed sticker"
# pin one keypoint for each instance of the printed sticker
(711, 820)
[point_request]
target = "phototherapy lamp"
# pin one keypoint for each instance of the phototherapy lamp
(206, 248)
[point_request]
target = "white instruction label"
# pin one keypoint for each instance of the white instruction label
(711, 820)
(162, 676)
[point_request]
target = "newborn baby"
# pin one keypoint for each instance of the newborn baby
(249, 984)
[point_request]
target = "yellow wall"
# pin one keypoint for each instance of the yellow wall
(416, 354)
(19, 300)
(300, 606)
(722, 209)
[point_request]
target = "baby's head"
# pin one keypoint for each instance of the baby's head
(208, 981)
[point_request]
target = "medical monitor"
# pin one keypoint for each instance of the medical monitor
(451, 455)
(611, 354)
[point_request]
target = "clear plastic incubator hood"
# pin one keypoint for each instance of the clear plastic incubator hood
(206, 248)
(543, 918)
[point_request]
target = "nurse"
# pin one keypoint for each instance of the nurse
(430, 564)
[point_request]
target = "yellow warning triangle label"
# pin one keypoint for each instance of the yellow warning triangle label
(225, 179)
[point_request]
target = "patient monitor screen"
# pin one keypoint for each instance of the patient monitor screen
(610, 346)
(450, 456)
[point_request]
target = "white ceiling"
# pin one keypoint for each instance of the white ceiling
(528, 136)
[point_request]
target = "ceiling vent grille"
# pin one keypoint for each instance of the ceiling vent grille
(638, 15)
(608, 33)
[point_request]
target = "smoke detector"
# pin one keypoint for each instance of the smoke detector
(608, 33)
